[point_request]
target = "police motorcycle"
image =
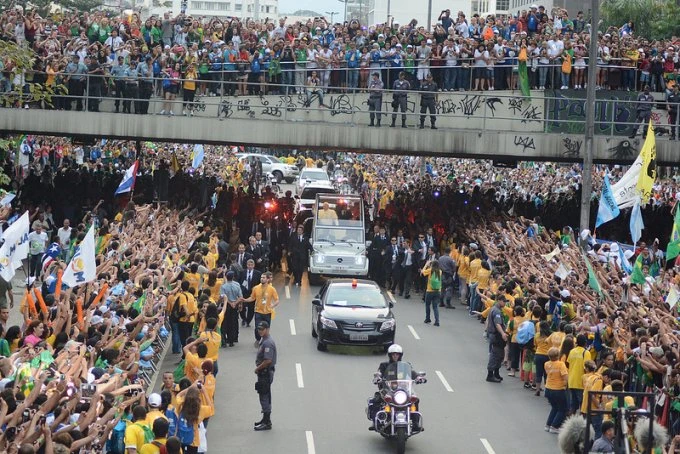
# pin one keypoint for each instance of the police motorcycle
(394, 410)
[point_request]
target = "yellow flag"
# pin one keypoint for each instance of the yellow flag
(648, 170)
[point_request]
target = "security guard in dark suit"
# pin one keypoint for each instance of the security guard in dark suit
(399, 98)
(673, 102)
(428, 100)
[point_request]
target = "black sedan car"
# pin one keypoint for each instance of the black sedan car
(352, 312)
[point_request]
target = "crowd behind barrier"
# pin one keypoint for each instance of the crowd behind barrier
(217, 205)
(163, 57)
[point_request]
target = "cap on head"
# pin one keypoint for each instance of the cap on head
(263, 325)
(155, 400)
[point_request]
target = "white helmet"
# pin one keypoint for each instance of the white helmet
(395, 348)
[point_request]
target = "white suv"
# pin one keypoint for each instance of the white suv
(272, 166)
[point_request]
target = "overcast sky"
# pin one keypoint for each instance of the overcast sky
(320, 6)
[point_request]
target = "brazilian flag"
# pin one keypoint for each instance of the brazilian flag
(638, 277)
(523, 72)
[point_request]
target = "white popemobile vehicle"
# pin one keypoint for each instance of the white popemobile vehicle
(338, 237)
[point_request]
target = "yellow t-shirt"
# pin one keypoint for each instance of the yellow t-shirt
(215, 289)
(213, 343)
(194, 280)
(576, 359)
(554, 373)
(264, 299)
(475, 265)
(542, 344)
(192, 367)
(591, 382)
(153, 415)
(150, 448)
(628, 401)
(556, 339)
(483, 277)
(134, 436)
(190, 307)
(464, 267)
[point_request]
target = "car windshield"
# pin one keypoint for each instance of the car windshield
(310, 193)
(314, 175)
(336, 234)
(360, 296)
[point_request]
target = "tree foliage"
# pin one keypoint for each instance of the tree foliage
(653, 19)
(20, 60)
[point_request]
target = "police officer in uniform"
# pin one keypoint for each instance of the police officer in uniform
(399, 98)
(645, 101)
(495, 332)
(375, 90)
(428, 100)
(265, 363)
(673, 102)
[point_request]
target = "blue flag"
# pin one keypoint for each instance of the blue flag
(625, 264)
(198, 156)
(608, 208)
(128, 182)
(636, 224)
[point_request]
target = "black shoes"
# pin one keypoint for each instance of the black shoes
(493, 380)
(263, 426)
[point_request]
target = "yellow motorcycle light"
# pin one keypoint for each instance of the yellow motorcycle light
(413, 408)
(387, 409)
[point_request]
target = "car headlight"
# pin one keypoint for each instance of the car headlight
(359, 260)
(320, 258)
(387, 325)
(328, 323)
(400, 397)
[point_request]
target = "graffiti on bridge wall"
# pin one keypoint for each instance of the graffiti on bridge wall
(465, 106)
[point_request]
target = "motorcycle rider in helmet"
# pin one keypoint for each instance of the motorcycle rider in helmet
(394, 353)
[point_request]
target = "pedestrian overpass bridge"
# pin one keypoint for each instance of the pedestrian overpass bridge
(503, 126)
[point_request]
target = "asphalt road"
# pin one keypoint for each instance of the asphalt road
(319, 399)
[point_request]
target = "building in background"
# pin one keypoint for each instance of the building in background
(404, 11)
(256, 9)
(504, 7)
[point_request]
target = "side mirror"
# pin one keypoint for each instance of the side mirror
(391, 304)
(316, 302)
(421, 374)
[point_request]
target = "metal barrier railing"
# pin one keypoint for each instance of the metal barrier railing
(555, 113)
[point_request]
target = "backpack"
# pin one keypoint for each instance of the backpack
(436, 281)
(161, 447)
(526, 332)
(185, 431)
(148, 433)
(116, 442)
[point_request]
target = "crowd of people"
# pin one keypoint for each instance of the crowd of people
(131, 59)
(215, 240)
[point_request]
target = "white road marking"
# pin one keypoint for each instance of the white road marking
(310, 442)
(443, 380)
(487, 446)
(287, 292)
(298, 372)
(413, 331)
(292, 327)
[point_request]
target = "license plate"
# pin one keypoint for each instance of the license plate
(358, 337)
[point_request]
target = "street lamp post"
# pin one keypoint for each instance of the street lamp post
(587, 178)
(429, 15)
(344, 17)
(332, 14)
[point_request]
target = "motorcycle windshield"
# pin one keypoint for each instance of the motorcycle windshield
(398, 370)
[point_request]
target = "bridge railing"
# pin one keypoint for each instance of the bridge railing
(548, 111)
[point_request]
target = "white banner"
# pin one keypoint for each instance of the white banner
(15, 247)
(625, 190)
(83, 267)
